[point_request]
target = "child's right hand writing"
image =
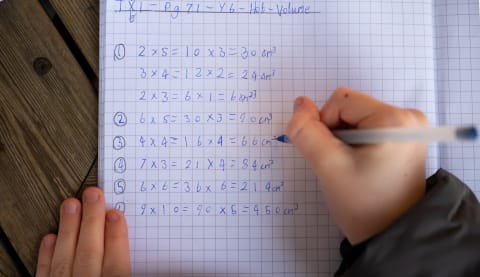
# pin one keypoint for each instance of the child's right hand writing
(365, 187)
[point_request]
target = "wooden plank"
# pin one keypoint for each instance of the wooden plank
(8, 266)
(48, 123)
(90, 180)
(81, 20)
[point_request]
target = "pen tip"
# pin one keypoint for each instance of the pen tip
(473, 133)
(283, 138)
(468, 133)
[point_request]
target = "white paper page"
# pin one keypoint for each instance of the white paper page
(192, 96)
(457, 43)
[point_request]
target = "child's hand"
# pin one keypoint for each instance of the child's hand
(365, 187)
(90, 240)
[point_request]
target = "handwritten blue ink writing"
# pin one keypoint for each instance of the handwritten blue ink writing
(221, 164)
(176, 8)
(172, 73)
(215, 186)
(242, 52)
(232, 96)
(214, 118)
(228, 209)
(197, 141)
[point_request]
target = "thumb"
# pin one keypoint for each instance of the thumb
(323, 151)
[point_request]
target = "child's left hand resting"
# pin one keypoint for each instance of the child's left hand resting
(91, 241)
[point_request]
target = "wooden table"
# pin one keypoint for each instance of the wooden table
(48, 119)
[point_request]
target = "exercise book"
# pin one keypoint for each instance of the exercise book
(194, 93)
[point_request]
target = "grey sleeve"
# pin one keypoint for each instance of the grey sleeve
(438, 236)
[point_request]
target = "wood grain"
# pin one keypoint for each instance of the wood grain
(81, 19)
(48, 126)
(90, 180)
(8, 266)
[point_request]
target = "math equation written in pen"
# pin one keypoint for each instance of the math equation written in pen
(195, 118)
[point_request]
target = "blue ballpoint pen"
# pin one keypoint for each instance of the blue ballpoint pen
(421, 134)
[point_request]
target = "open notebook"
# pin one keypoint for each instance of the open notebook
(192, 94)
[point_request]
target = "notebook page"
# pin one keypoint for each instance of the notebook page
(457, 40)
(192, 95)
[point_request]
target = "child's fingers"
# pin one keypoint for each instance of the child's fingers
(45, 255)
(70, 216)
(347, 106)
(320, 148)
(117, 259)
(90, 246)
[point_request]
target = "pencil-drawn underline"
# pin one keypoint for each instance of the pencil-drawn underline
(218, 12)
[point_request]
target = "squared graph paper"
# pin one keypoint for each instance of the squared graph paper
(193, 93)
(457, 38)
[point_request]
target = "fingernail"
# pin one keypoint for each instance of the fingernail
(112, 217)
(90, 196)
(298, 104)
(48, 241)
(70, 207)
